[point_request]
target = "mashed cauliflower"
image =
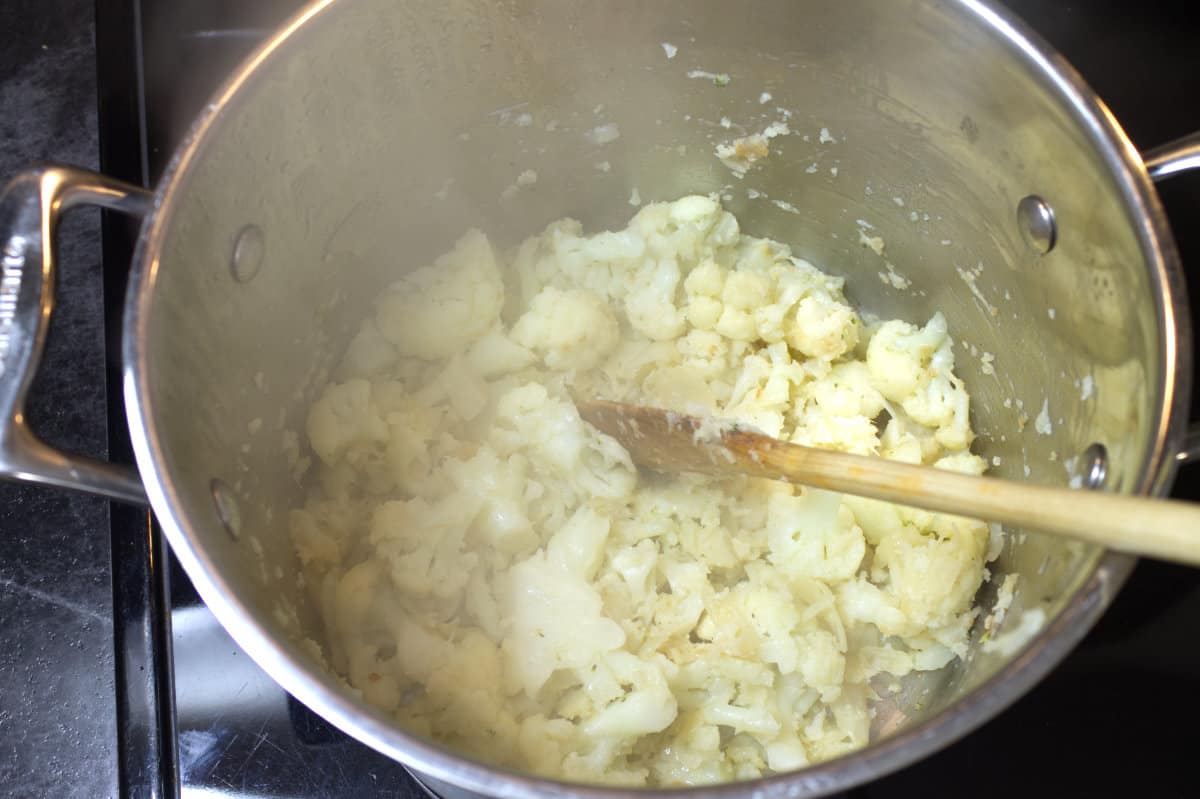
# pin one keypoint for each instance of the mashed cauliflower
(498, 575)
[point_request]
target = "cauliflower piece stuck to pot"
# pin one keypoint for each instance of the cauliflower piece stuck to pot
(497, 574)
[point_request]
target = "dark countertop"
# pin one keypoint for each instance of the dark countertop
(55, 628)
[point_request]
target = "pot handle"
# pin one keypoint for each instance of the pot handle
(1181, 155)
(1164, 161)
(30, 208)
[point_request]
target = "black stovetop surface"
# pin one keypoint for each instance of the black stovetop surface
(1108, 722)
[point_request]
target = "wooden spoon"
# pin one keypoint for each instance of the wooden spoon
(671, 442)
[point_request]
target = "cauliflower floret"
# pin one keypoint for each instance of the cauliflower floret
(686, 230)
(437, 311)
(412, 429)
(568, 329)
(369, 353)
(527, 417)
(578, 546)
(496, 354)
(503, 522)
(900, 442)
(876, 519)
(773, 613)
(544, 743)
(650, 304)
(351, 606)
(703, 288)
(682, 388)
(342, 418)
(854, 434)
(942, 403)
(462, 695)
(695, 758)
(675, 615)
(729, 692)
(496, 574)
(647, 707)
(846, 391)
(702, 381)
(696, 209)
(863, 601)
(839, 411)
(762, 395)
(456, 385)
(899, 354)
(705, 352)
(964, 462)
(320, 531)
(822, 662)
(786, 754)
(422, 544)
(556, 623)
(934, 571)
(635, 565)
(742, 294)
(844, 729)
(915, 368)
(811, 535)
(822, 327)
(626, 369)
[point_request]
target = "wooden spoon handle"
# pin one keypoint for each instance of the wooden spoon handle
(672, 442)
(1159, 528)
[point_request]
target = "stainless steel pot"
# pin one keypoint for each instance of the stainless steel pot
(367, 134)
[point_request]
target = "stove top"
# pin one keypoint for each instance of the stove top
(195, 714)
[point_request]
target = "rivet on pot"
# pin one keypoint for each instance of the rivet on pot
(1035, 218)
(249, 247)
(1095, 465)
(227, 508)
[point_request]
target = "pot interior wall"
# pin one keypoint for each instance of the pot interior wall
(382, 131)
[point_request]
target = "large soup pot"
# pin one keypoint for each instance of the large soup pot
(365, 136)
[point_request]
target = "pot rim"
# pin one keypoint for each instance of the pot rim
(319, 691)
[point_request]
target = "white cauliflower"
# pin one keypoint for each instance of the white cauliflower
(551, 430)
(503, 522)
(578, 547)
(555, 622)
(839, 410)
(422, 544)
(458, 386)
(811, 535)
(650, 303)
(647, 706)
(496, 354)
(846, 391)
(742, 294)
(438, 311)
(568, 329)
(342, 418)
(498, 576)
(320, 531)
(935, 568)
(686, 230)
(369, 353)
(899, 355)
(762, 395)
(822, 327)
(703, 289)
(914, 367)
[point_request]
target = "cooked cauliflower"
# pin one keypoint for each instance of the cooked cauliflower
(497, 575)
(439, 310)
(569, 329)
